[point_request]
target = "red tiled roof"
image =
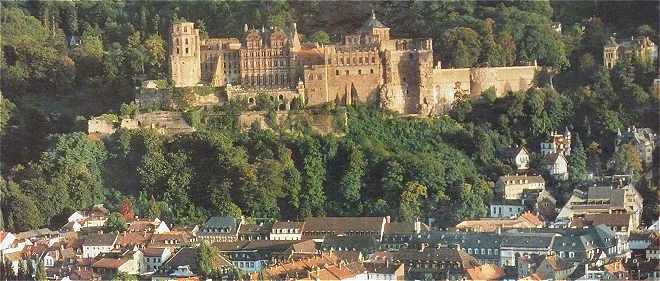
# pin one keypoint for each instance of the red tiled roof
(109, 263)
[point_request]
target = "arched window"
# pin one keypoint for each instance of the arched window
(360, 71)
(347, 72)
(337, 72)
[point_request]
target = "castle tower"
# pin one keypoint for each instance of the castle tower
(185, 63)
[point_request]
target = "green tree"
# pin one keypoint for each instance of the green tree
(6, 112)
(156, 54)
(115, 223)
(20, 211)
(411, 205)
(321, 37)
(352, 182)
(40, 273)
(123, 276)
(313, 196)
(578, 161)
(627, 161)
(207, 260)
(463, 47)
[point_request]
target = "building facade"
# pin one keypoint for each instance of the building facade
(641, 47)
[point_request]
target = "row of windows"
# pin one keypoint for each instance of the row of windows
(177, 50)
(247, 264)
(268, 53)
(286, 230)
(267, 79)
(178, 42)
(359, 60)
(482, 251)
(267, 63)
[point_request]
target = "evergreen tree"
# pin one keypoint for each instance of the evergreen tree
(40, 273)
(351, 183)
(577, 163)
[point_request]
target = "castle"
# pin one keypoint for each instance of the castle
(367, 66)
(641, 47)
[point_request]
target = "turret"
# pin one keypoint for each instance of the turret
(185, 62)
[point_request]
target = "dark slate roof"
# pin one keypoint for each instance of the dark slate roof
(528, 240)
(352, 243)
(599, 192)
(340, 225)
(105, 239)
(288, 225)
(221, 222)
(551, 158)
(255, 229)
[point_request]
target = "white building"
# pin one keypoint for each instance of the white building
(98, 243)
(513, 186)
(6, 240)
(287, 231)
(556, 165)
(155, 257)
(506, 209)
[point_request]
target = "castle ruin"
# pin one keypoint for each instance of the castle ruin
(367, 66)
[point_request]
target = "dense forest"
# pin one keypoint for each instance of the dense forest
(441, 168)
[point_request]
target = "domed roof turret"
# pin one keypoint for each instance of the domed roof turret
(372, 23)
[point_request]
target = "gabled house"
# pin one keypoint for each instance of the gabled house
(90, 217)
(553, 267)
(556, 165)
(183, 265)
(129, 262)
(147, 225)
(517, 156)
(94, 244)
(155, 257)
(221, 229)
(642, 138)
(604, 200)
(6, 240)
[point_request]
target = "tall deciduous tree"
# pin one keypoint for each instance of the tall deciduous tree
(411, 201)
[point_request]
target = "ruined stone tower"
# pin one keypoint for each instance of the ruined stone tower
(185, 54)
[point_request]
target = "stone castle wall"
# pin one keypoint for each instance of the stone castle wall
(343, 84)
(473, 81)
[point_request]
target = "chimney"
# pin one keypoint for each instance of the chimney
(245, 28)
(418, 226)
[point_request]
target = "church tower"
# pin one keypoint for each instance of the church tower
(185, 63)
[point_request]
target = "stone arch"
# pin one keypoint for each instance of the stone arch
(282, 107)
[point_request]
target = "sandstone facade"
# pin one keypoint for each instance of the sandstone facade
(367, 66)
